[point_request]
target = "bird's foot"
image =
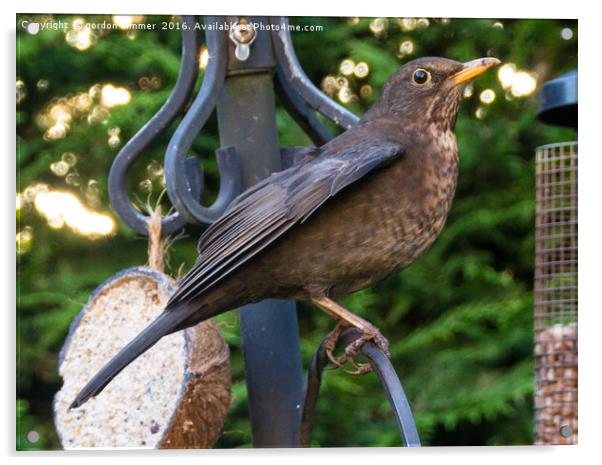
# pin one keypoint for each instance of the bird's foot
(369, 334)
(330, 344)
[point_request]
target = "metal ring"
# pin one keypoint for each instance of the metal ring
(125, 159)
(177, 163)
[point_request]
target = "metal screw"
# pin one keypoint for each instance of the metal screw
(243, 35)
(33, 437)
(566, 431)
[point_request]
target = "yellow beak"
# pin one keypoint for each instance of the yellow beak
(472, 69)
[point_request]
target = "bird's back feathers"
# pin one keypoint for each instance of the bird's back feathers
(267, 210)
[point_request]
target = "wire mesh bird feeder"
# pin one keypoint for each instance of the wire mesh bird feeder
(555, 312)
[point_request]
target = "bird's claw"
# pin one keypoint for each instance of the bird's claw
(360, 369)
(333, 360)
(370, 334)
(331, 343)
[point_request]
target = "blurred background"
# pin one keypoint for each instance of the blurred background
(459, 320)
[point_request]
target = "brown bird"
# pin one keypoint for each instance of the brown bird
(349, 213)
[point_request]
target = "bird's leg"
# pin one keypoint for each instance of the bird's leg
(346, 318)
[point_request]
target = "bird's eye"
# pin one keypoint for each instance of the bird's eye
(421, 77)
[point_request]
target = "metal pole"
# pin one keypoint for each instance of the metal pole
(269, 329)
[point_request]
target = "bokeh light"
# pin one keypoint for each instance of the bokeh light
(73, 179)
(80, 36)
(365, 90)
(122, 21)
(33, 28)
(468, 90)
(405, 48)
(345, 95)
(523, 84)
(154, 169)
(30, 192)
(57, 131)
(126, 22)
(149, 83)
(92, 193)
(99, 114)
(114, 139)
(487, 96)
(112, 96)
(42, 85)
(24, 240)
(408, 24)
(64, 208)
(422, 23)
(21, 91)
(146, 186)
(518, 83)
(59, 168)
(342, 82)
(203, 57)
(361, 70)
(329, 84)
(69, 158)
(347, 67)
(56, 118)
(379, 27)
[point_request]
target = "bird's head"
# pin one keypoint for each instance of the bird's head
(429, 89)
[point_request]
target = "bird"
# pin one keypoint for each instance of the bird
(346, 215)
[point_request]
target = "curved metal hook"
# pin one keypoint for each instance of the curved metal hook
(300, 111)
(295, 77)
(125, 159)
(386, 373)
(176, 164)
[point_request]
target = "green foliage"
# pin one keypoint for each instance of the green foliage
(459, 320)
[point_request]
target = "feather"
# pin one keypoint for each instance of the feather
(264, 212)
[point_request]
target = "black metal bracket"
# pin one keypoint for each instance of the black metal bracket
(180, 191)
(384, 370)
(183, 174)
(180, 95)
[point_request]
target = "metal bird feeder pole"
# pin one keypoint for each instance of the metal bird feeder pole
(246, 67)
(246, 113)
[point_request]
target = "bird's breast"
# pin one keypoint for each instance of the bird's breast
(371, 229)
(415, 201)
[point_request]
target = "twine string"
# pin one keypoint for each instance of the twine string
(157, 245)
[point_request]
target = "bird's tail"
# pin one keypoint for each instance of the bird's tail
(166, 323)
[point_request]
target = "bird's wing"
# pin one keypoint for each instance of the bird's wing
(264, 212)
(295, 156)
